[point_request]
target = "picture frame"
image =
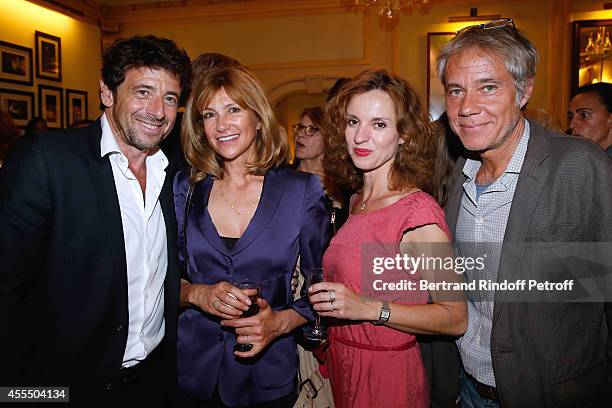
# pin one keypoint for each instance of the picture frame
(51, 105)
(48, 56)
(594, 65)
(19, 105)
(436, 100)
(15, 63)
(76, 106)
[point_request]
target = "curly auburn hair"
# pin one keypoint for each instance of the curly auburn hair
(243, 88)
(413, 164)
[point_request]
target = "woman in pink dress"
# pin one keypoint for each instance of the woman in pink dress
(381, 146)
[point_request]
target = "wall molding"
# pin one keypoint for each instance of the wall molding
(230, 10)
(299, 85)
(93, 11)
(88, 11)
(364, 60)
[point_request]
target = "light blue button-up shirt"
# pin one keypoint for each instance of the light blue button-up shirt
(480, 230)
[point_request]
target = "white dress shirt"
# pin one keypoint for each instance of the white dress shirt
(144, 233)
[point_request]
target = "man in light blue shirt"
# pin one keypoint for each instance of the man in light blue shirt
(519, 187)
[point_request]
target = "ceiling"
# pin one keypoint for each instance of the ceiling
(123, 2)
(170, 2)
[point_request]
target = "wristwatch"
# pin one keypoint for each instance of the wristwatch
(385, 314)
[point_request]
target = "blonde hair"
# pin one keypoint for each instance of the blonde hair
(244, 89)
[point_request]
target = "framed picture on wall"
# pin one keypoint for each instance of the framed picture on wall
(76, 106)
(51, 105)
(48, 56)
(592, 53)
(15, 63)
(19, 104)
(435, 91)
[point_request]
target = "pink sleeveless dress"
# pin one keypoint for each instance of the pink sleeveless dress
(377, 366)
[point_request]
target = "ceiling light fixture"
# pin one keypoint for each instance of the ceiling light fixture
(390, 8)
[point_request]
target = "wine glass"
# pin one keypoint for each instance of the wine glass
(253, 290)
(317, 332)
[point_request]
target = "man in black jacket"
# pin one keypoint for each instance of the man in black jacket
(89, 276)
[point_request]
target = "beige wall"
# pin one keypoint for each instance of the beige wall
(80, 45)
(265, 41)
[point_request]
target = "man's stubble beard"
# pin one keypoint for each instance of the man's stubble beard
(132, 139)
(130, 136)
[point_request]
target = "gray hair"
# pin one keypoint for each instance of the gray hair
(505, 43)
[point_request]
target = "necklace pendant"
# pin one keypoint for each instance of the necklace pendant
(248, 211)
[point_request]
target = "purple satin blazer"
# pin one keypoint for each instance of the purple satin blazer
(290, 220)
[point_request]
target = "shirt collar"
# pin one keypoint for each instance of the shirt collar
(471, 166)
(109, 146)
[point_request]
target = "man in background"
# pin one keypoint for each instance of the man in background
(590, 114)
(89, 276)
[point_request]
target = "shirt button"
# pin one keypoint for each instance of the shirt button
(141, 334)
(120, 327)
(220, 337)
(108, 385)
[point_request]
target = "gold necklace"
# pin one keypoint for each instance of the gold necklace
(233, 207)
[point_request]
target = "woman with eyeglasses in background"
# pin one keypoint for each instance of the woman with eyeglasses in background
(309, 147)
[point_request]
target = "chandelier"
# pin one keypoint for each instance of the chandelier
(390, 8)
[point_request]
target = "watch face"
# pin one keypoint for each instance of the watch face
(385, 314)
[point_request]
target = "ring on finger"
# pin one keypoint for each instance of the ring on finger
(216, 304)
(332, 296)
(332, 306)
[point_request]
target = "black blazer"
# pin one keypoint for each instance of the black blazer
(63, 275)
(553, 353)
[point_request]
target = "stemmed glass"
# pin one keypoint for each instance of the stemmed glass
(317, 332)
(253, 290)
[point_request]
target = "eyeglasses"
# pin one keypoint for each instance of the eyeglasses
(308, 130)
(489, 25)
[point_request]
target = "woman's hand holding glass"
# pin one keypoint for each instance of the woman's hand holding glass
(221, 299)
(258, 330)
(336, 300)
